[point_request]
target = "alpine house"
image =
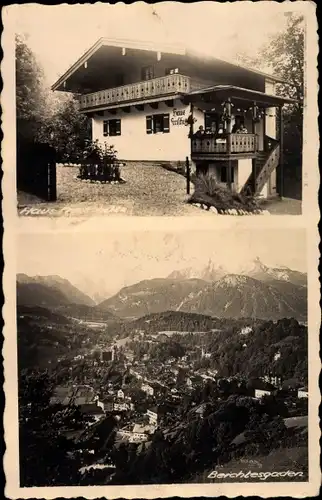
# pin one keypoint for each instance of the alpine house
(165, 104)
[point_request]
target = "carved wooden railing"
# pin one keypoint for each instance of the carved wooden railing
(208, 144)
(243, 143)
(170, 84)
(233, 143)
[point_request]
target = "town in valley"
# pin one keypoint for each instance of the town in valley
(148, 386)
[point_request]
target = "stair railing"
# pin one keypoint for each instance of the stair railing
(269, 166)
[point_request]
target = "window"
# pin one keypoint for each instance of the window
(158, 123)
(171, 71)
(111, 127)
(223, 174)
(147, 73)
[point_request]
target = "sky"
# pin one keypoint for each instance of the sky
(102, 263)
(60, 34)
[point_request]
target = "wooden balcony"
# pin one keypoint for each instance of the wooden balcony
(157, 87)
(231, 146)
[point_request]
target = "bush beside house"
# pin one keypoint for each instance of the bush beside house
(212, 196)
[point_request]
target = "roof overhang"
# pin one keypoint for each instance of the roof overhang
(223, 92)
(165, 48)
(212, 59)
(122, 44)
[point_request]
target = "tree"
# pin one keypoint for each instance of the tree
(67, 130)
(284, 54)
(43, 116)
(31, 99)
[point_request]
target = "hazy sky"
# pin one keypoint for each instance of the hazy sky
(103, 263)
(60, 34)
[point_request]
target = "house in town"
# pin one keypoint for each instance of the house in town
(132, 437)
(257, 388)
(272, 379)
(302, 393)
(150, 101)
(264, 389)
(147, 389)
(136, 433)
(120, 394)
(259, 393)
(82, 396)
(152, 413)
(93, 410)
(115, 405)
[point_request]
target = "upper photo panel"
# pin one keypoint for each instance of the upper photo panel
(166, 110)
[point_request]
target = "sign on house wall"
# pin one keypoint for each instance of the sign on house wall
(178, 117)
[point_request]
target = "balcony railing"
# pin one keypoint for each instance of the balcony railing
(162, 86)
(231, 144)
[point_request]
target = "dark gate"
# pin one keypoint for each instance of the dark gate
(36, 170)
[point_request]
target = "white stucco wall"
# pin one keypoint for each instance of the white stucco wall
(199, 116)
(270, 118)
(264, 191)
(215, 171)
(244, 171)
(135, 144)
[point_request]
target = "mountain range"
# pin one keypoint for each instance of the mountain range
(49, 291)
(152, 296)
(255, 269)
(257, 291)
(208, 273)
(239, 296)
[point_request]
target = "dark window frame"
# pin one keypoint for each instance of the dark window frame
(223, 174)
(162, 119)
(112, 127)
(171, 71)
(147, 73)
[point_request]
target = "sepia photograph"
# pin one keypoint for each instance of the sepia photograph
(165, 358)
(159, 340)
(165, 116)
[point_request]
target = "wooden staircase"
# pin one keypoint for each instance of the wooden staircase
(265, 164)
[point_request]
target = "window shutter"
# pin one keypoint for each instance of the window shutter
(166, 123)
(149, 124)
(105, 128)
(118, 127)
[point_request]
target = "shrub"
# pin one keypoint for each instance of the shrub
(100, 163)
(209, 192)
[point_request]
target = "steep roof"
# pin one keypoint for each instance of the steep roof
(166, 48)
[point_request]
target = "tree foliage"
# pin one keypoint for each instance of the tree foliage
(31, 99)
(283, 54)
(66, 130)
(43, 116)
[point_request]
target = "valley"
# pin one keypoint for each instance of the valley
(139, 382)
